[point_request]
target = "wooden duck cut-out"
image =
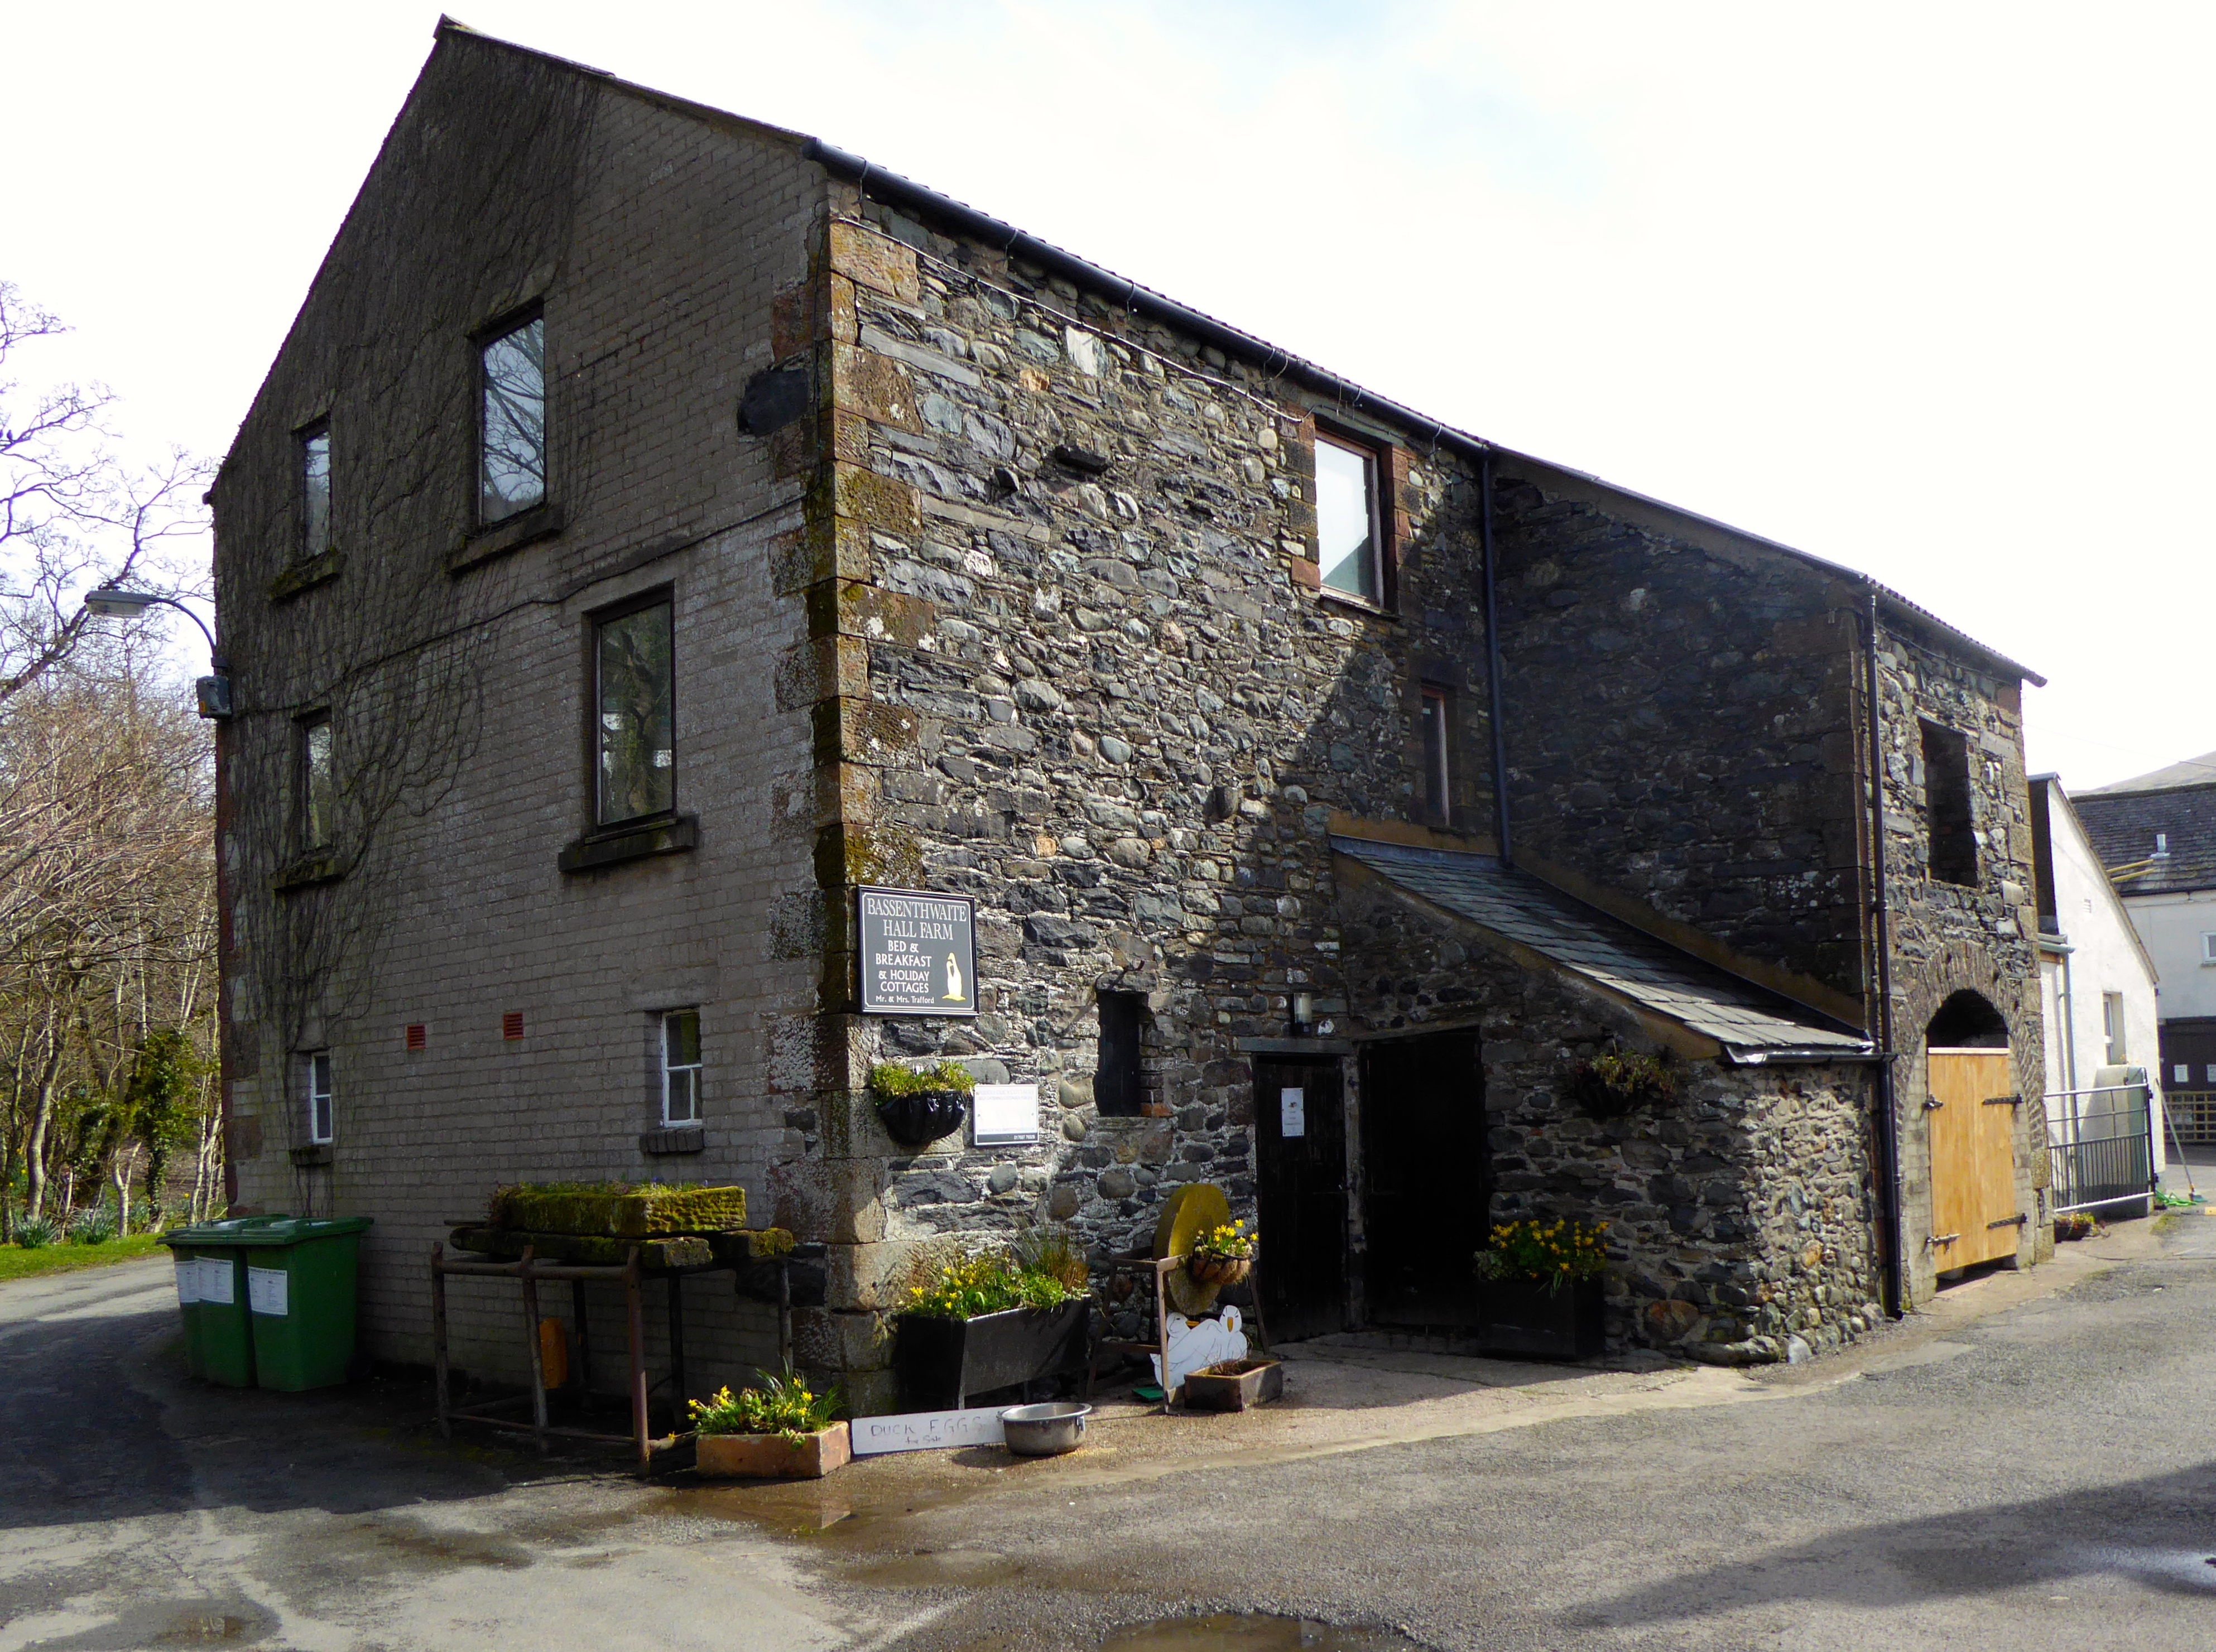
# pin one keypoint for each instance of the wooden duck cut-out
(1198, 1343)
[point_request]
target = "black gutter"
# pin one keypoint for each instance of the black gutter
(895, 190)
(1494, 718)
(1888, 1142)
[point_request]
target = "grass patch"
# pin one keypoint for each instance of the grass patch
(16, 1262)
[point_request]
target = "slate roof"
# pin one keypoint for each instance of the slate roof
(2123, 825)
(1750, 1023)
(2191, 771)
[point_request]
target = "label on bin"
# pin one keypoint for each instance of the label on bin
(218, 1280)
(188, 1281)
(267, 1290)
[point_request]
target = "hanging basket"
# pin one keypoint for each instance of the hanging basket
(918, 1120)
(1219, 1271)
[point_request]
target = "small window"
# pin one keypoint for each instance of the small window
(314, 491)
(2209, 948)
(634, 736)
(2112, 1027)
(1347, 537)
(2211, 1071)
(2181, 1074)
(318, 790)
(512, 435)
(680, 1067)
(1947, 800)
(1119, 1086)
(316, 1074)
(1438, 719)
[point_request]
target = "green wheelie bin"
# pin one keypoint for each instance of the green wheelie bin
(300, 1295)
(211, 1298)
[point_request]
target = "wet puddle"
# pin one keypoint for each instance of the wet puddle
(1252, 1632)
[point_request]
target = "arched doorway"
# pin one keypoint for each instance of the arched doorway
(1970, 1110)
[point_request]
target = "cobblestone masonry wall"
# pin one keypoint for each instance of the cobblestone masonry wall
(1685, 728)
(1739, 1213)
(1949, 937)
(1106, 700)
(654, 242)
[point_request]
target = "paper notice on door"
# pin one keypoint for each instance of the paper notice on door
(188, 1281)
(268, 1291)
(1292, 1113)
(218, 1280)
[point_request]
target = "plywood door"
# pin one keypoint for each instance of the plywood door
(1973, 1135)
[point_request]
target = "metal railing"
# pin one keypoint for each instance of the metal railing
(2101, 1142)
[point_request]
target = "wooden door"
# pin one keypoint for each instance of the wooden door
(1971, 1115)
(1424, 1182)
(1300, 1138)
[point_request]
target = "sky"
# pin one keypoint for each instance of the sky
(1919, 288)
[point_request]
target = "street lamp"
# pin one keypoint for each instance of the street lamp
(113, 602)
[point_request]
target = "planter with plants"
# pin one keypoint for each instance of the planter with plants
(1539, 1290)
(993, 1321)
(1609, 1086)
(783, 1430)
(1223, 1256)
(918, 1105)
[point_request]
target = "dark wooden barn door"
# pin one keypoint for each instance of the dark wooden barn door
(1299, 1138)
(1424, 1190)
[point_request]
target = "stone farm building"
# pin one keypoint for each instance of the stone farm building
(657, 527)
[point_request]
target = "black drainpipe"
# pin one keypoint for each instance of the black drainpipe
(1494, 715)
(1889, 1126)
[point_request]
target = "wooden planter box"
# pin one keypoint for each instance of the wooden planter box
(772, 1457)
(1234, 1386)
(1523, 1318)
(941, 1362)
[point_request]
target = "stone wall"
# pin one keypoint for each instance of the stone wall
(1679, 720)
(1949, 937)
(1740, 1213)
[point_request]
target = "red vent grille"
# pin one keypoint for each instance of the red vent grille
(511, 1024)
(417, 1039)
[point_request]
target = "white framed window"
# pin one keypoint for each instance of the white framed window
(2181, 1074)
(1348, 545)
(680, 1067)
(1438, 730)
(2112, 1027)
(315, 1086)
(2209, 948)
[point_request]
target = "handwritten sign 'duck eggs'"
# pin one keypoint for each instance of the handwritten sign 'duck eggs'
(919, 954)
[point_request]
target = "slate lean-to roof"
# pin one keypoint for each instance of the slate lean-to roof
(893, 190)
(1751, 1024)
(2123, 826)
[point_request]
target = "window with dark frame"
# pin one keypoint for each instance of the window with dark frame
(316, 1087)
(319, 786)
(512, 425)
(680, 1067)
(1438, 724)
(1350, 556)
(1119, 1086)
(314, 491)
(1947, 801)
(634, 714)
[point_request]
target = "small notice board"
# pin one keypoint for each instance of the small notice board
(919, 954)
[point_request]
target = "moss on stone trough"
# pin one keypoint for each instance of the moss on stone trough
(618, 1210)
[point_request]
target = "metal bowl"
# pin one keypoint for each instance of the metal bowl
(1046, 1430)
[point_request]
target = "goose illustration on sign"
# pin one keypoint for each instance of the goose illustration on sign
(918, 954)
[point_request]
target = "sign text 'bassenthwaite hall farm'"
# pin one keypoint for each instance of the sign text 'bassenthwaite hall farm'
(710, 618)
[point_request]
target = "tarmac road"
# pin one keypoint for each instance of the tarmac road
(2043, 1475)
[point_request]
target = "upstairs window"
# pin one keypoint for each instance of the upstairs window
(634, 699)
(1119, 1087)
(1348, 555)
(1947, 801)
(512, 431)
(1437, 719)
(314, 491)
(2112, 1028)
(680, 1067)
(316, 1087)
(2207, 948)
(318, 788)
